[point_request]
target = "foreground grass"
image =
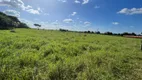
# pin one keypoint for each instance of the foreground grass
(32, 54)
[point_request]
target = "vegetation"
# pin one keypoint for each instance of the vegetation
(105, 33)
(37, 25)
(10, 22)
(31, 54)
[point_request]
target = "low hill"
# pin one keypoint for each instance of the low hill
(31, 54)
(8, 22)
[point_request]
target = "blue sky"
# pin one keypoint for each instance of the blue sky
(103, 15)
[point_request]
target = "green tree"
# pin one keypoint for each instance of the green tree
(10, 22)
(37, 25)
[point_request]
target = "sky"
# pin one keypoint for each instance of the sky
(116, 16)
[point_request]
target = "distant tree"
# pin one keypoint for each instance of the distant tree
(14, 18)
(14, 23)
(91, 32)
(108, 33)
(88, 31)
(98, 32)
(63, 30)
(126, 33)
(119, 34)
(134, 34)
(37, 25)
(115, 34)
(23, 25)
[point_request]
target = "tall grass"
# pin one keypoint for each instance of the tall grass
(32, 54)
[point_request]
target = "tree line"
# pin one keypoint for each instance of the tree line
(10, 22)
(105, 33)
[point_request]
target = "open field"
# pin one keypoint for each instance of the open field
(140, 37)
(32, 54)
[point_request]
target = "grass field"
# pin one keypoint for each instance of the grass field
(32, 54)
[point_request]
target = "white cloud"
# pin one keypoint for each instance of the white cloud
(38, 9)
(85, 1)
(19, 4)
(76, 1)
(63, 0)
(55, 23)
(74, 13)
(97, 7)
(130, 11)
(12, 13)
(67, 20)
(13, 3)
(87, 22)
(28, 7)
(33, 11)
(115, 23)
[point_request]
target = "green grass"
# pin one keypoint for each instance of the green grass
(32, 54)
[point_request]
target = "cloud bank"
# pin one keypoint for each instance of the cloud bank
(19, 4)
(130, 11)
(12, 13)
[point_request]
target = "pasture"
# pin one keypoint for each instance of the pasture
(30, 54)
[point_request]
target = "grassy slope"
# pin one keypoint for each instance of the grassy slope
(44, 55)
